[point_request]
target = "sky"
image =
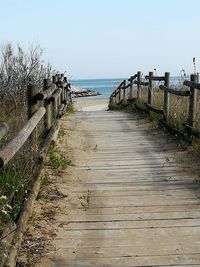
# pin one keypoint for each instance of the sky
(107, 38)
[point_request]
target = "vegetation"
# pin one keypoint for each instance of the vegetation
(57, 159)
(85, 200)
(17, 68)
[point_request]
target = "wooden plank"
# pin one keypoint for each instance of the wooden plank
(3, 129)
(8, 152)
(174, 91)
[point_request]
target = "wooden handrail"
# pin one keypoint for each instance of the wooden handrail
(158, 111)
(56, 94)
(191, 93)
(141, 83)
(120, 85)
(174, 91)
(8, 152)
(132, 77)
(46, 94)
(126, 86)
(155, 78)
(191, 84)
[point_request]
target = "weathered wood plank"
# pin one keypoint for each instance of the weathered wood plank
(175, 92)
(47, 93)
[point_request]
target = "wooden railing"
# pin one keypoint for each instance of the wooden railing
(188, 89)
(49, 103)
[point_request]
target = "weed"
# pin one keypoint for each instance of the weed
(57, 159)
(70, 109)
(61, 133)
(45, 179)
(50, 212)
(85, 200)
(34, 217)
(30, 257)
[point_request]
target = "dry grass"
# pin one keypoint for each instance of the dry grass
(17, 69)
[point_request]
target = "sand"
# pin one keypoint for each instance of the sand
(90, 104)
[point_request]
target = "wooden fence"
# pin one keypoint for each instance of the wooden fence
(49, 103)
(131, 92)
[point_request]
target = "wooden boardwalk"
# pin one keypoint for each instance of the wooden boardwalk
(141, 209)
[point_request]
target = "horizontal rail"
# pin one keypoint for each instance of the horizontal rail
(116, 93)
(3, 129)
(174, 92)
(47, 93)
(62, 84)
(194, 132)
(121, 84)
(126, 86)
(155, 78)
(55, 95)
(158, 111)
(141, 83)
(192, 84)
(9, 151)
(132, 78)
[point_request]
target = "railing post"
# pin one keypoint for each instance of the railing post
(166, 97)
(131, 89)
(150, 90)
(120, 94)
(65, 91)
(138, 85)
(55, 110)
(47, 105)
(193, 101)
(124, 90)
(32, 91)
(197, 77)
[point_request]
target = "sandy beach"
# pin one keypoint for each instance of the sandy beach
(90, 104)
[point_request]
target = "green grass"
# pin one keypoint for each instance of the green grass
(70, 109)
(57, 159)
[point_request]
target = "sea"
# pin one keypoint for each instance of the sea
(106, 86)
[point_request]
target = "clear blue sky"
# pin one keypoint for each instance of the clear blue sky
(107, 38)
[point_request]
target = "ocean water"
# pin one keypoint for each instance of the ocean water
(106, 86)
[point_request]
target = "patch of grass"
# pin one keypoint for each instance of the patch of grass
(45, 180)
(70, 109)
(57, 159)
